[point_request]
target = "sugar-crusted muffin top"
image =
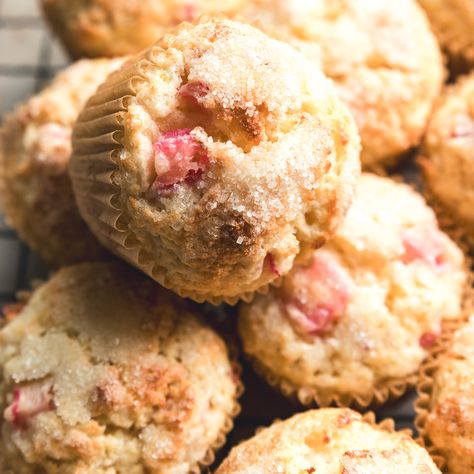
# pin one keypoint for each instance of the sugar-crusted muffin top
(450, 424)
(384, 281)
(448, 151)
(328, 441)
(366, 47)
(236, 152)
(104, 370)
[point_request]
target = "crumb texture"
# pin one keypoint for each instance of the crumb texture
(105, 372)
(35, 147)
(328, 441)
(244, 158)
(448, 154)
(366, 47)
(98, 28)
(384, 281)
(450, 423)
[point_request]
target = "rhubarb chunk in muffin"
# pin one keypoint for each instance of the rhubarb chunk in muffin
(231, 156)
(355, 321)
(103, 371)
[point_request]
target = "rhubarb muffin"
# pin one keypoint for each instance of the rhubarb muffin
(448, 420)
(453, 22)
(448, 155)
(367, 48)
(329, 441)
(214, 159)
(97, 28)
(105, 372)
(35, 147)
(333, 331)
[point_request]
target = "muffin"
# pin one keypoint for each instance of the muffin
(35, 147)
(214, 159)
(367, 48)
(104, 372)
(333, 330)
(453, 22)
(448, 156)
(446, 406)
(329, 441)
(97, 28)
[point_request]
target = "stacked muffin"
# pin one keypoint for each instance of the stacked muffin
(224, 166)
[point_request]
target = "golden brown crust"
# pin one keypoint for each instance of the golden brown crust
(445, 411)
(332, 332)
(98, 28)
(35, 187)
(105, 370)
(265, 192)
(447, 157)
(328, 441)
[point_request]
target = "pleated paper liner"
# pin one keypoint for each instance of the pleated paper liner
(309, 396)
(426, 384)
(97, 142)
(383, 392)
(220, 441)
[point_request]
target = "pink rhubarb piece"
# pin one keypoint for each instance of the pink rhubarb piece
(323, 291)
(179, 157)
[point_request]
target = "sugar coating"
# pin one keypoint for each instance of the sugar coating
(392, 299)
(136, 383)
(281, 159)
(448, 154)
(367, 48)
(453, 21)
(35, 146)
(328, 441)
(98, 28)
(450, 423)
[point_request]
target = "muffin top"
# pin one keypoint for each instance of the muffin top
(452, 22)
(328, 441)
(366, 47)
(35, 147)
(384, 281)
(448, 151)
(450, 423)
(97, 28)
(102, 370)
(235, 153)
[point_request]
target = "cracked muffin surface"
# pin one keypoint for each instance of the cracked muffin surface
(103, 371)
(96, 28)
(447, 156)
(235, 155)
(35, 147)
(366, 47)
(450, 422)
(328, 441)
(385, 281)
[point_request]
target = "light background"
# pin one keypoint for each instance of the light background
(29, 57)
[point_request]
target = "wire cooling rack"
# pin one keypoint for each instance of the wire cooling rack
(29, 58)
